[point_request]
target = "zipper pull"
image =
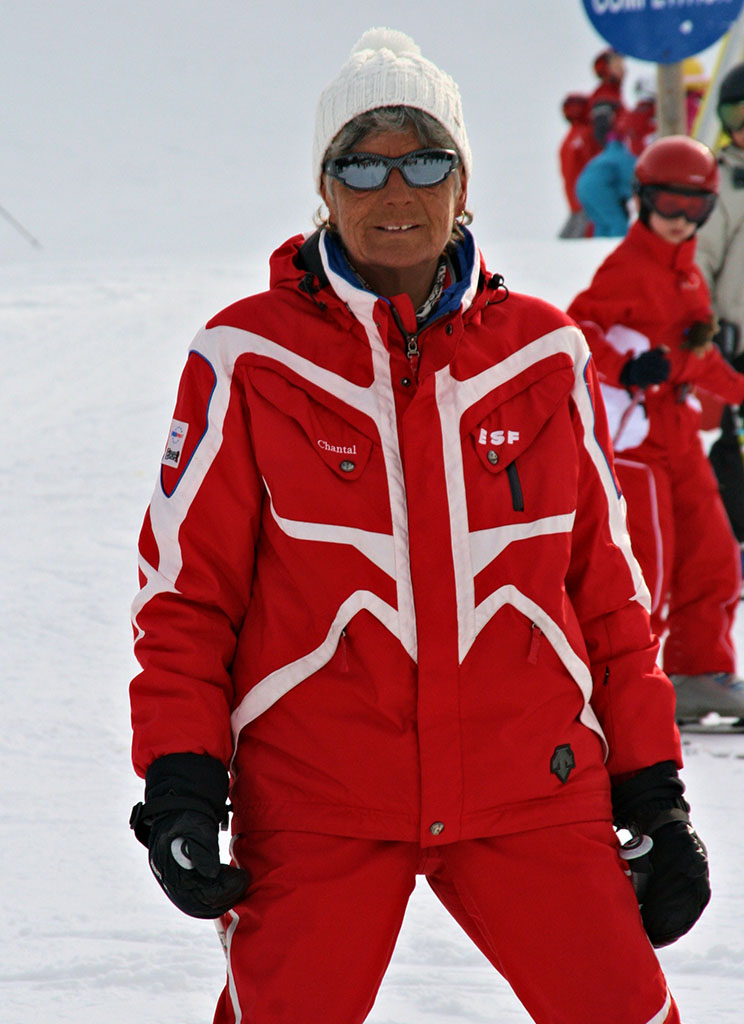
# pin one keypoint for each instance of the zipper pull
(343, 652)
(535, 639)
(412, 351)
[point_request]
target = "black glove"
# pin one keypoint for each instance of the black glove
(185, 805)
(650, 367)
(678, 889)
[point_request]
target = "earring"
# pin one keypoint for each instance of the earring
(322, 218)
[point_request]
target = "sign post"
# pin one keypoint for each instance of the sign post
(671, 115)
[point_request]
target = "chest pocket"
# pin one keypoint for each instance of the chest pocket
(318, 456)
(504, 434)
(339, 444)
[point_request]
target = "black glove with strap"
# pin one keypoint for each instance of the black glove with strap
(678, 890)
(651, 367)
(185, 805)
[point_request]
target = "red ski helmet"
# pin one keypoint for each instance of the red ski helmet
(575, 107)
(678, 161)
(602, 63)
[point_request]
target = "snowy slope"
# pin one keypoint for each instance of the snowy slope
(160, 152)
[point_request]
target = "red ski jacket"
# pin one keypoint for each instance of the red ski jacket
(395, 592)
(576, 150)
(647, 293)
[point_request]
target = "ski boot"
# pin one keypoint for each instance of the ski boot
(719, 695)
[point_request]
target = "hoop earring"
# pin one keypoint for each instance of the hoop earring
(322, 219)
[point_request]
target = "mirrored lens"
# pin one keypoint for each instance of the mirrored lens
(359, 171)
(420, 169)
(732, 115)
(693, 206)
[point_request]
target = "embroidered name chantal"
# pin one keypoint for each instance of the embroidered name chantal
(342, 449)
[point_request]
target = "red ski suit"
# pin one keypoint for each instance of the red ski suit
(398, 597)
(646, 294)
(576, 150)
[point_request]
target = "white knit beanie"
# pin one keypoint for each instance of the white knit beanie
(386, 69)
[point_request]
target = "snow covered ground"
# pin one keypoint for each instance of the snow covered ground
(158, 183)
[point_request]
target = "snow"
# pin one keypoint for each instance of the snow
(159, 152)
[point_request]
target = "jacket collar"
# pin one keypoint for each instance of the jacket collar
(676, 257)
(308, 259)
(335, 270)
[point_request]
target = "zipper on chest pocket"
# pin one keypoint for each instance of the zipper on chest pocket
(515, 486)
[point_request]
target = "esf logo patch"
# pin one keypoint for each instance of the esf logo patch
(174, 445)
(496, 437)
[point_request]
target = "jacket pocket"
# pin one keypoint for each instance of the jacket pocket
(339, 444)
(319, 458)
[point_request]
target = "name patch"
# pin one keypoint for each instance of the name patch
(342, 449)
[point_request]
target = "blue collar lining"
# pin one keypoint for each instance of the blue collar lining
(463, 258)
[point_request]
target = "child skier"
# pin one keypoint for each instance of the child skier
(648, 321)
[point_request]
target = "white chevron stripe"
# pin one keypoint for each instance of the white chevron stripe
(226, 937)
(485, 545)
(362, 304)
(272, 687)
(663, 1013)
(156, 584)
(615, 503)
(472, 552)
(222, 346)
(450, 413)
(573, 664)
(377, 547)
(454, 398)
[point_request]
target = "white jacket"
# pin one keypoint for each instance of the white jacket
(720, 249)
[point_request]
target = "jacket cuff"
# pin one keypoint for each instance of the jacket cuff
(638, 802)
(181, 782)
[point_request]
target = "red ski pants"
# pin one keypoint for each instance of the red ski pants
(551, 909)
(689, 557)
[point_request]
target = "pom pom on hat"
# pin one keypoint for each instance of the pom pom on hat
(387, 69)
(386, 39)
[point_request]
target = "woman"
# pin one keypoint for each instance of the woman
(647, 317)
(386, 580)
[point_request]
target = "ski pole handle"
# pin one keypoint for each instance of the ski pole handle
(638, 867)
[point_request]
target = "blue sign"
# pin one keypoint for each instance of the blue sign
(662, 31)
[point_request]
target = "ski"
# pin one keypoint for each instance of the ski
(713, 725)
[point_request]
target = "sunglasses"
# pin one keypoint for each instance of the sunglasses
(670, 203)
(732, 115)
(366, 172)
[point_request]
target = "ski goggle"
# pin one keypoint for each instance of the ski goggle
(732, 115)
(366, 172)
(670, 202)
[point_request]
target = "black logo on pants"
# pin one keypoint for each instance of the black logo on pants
(563, 762)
